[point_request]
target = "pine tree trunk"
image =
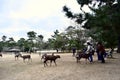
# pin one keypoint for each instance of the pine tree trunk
(118, 50)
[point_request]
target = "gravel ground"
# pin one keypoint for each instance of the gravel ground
(66, 69)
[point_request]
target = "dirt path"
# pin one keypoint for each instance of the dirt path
(66, 69)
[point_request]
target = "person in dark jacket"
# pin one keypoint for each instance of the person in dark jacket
(74, 51)
(97, 51)
(101, 51)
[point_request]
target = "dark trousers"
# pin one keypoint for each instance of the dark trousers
(90, 58)
(102, 58)
(73, 53)
(98, 55)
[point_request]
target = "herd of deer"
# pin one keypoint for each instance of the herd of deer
(17, 55)
(45, 57)
(52, 58)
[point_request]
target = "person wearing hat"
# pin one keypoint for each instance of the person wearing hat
(89, 51)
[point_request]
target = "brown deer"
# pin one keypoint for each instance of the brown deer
(51, 58)
(80, 55)
(26, 57)
(17, 55)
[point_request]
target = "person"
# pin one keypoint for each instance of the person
(97, 51)
(74, 51)
(110, 52)
(101, 51)
(57, 50)
(89, 51)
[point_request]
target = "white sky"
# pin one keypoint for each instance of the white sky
(17, 17)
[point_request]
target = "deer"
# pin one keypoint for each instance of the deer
(26, 57)
(50, 58)
(17, 55)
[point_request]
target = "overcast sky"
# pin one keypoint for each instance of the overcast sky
(17, 17)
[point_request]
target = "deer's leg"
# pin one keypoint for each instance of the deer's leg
(86, 60)
(50, 62)
(41, 58)
(31, 59)
(77, 60)
(45, 63)
(55, 62)
(23, 60)
(15, 58)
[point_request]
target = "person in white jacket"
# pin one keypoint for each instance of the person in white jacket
(89, 51)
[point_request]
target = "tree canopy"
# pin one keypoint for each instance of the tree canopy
(102, 21)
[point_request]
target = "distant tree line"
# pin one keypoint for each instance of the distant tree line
(27, 45)
(64, 41)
